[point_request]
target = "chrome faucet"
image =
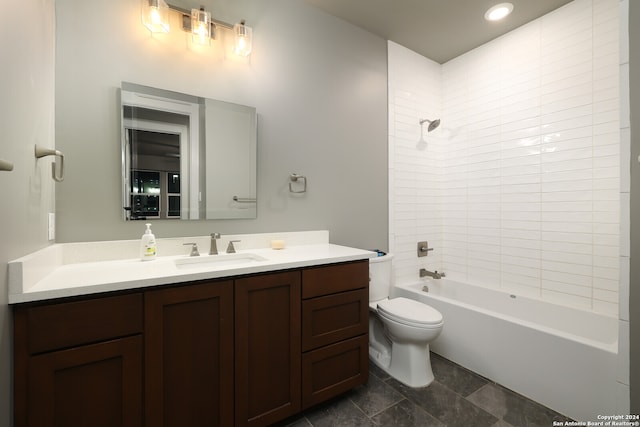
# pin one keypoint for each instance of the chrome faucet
(214, 247)
(194, 249)
(434, 274)
(231, 249)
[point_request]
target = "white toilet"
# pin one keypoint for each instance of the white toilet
(400, 329)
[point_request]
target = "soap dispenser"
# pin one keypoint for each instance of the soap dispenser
(148, 245)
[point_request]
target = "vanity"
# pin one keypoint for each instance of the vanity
(248, 341)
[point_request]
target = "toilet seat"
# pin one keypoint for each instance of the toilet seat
(409, 312)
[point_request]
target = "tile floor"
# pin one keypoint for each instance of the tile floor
(457, 397)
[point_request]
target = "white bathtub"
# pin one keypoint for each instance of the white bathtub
(562, 357)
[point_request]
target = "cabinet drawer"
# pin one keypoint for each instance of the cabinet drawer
(335, 369)
(69, 324)
(333, 318)
(326, 280)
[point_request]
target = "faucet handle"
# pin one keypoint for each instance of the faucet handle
(423, 249)
(194, 249)
(231, 249)
(213, 250)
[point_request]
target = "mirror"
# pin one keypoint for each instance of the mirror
(186, 157)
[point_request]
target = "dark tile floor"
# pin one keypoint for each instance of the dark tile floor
(457, 397)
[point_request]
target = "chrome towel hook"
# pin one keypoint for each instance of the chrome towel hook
(294, 177)
(44, 152)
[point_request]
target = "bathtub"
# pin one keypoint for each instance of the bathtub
(564, 358)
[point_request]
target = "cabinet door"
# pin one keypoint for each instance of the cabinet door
(267, 348)
(189, 355)
(92, 385)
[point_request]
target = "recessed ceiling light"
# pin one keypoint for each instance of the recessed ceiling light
(498, 11)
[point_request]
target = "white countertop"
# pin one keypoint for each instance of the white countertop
(47, 275)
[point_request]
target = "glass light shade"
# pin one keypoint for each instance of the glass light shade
(242, 39)
(155, 15)
(201, 27)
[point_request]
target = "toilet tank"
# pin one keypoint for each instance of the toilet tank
(380, 277)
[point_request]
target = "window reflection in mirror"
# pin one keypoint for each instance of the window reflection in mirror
(154, 151)
(185, 157)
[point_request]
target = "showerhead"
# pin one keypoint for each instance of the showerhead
(432, 124)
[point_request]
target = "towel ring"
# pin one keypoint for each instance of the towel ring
(294, 177)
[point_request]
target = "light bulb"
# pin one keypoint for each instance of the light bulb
(242, 39)
(201, 26)
(498, 11)
(155, 16)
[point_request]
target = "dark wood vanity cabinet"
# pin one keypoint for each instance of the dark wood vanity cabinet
(301, 338)
(79, 363)
(335, 322)
(247, 351)
(188, 344)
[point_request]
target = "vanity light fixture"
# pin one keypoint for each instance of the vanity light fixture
(198, 22)
(242, 39)
(155, 15)
(201, 30)
(498, 11)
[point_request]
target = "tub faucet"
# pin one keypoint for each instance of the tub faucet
(434, 274)
(214, 247)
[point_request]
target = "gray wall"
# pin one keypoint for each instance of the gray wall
(634, 282)
(319, 86)
(26, 119)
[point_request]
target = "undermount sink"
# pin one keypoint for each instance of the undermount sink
(223, 260)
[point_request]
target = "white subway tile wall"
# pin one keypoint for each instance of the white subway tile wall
(520, 186)
(415, 174)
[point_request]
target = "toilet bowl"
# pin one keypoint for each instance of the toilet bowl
(400, 329)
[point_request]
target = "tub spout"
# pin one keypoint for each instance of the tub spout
(434, 274)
